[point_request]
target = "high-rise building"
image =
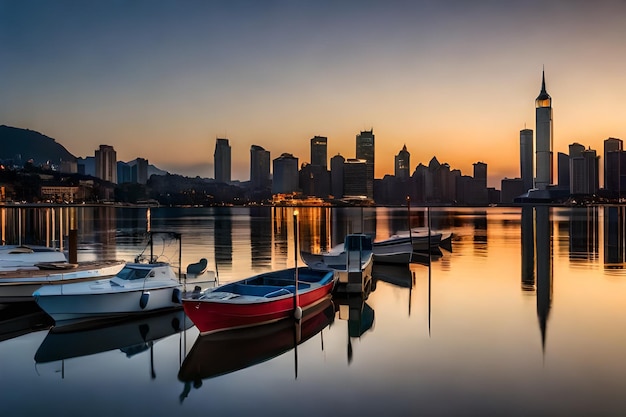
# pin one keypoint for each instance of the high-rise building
(259, 167)
(544, 138)
(526, 158)
(139, 171)
(480, 173)
(480, 194)
(365, 150)
(106, 163)
(403, 164)
(319, 154)
(285, 179)
(336, 175)
(124, 175)
(610, 179)
(354, 170)
(221, 159)
(584, 170)
(562, 168)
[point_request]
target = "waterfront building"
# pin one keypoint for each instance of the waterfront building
(106, 163)
(336, 175)
(562, 164)
(584, 170)
(319, 155)
(222, 160)
(403, 164)
(354, 170)
(314, 181)
(68, 167)
(259, 167)
(611, 164)
(480, 180)
(526, 158)
(87, 166)
(544, 137)
(365, 147)
(510, 189)
(139, 171)
(123, 172)
(285, 179)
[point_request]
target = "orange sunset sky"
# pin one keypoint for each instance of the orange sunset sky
(452, 79)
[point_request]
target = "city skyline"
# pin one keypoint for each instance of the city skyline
(162, 81)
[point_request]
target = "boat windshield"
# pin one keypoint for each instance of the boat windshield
(130, 274)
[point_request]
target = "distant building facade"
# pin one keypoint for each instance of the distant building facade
(319, 154)
(222, 160)
(584, 170)
(285, 179)
(612, 166)
(354, 171)
(259, 167)
(139, 171)
(336, 175)
(526, 158)
(402, 164)
(365, 147)
(106, 163)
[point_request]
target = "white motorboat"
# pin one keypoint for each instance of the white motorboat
(395, 249)
(137, 288)
(13, 257)
(352, 260)
(19, 285)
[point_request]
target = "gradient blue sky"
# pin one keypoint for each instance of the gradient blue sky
(452, 79)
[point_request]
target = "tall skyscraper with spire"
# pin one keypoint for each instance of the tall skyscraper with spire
(543, 147)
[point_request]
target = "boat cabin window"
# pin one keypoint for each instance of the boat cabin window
(130, 274)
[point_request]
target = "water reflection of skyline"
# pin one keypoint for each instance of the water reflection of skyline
(586, 235)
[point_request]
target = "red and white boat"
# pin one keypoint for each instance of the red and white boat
(260, 299)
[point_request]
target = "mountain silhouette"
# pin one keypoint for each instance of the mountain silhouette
(21, 145)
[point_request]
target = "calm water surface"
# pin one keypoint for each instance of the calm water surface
(524, 316)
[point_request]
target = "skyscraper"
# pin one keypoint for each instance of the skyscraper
(286, 178)
(365, 150)
(106, 163)
(336, 175)
(611, 179)
(543, 148)
(221, 159)
(403, 164)
(353, 172)
(526, 157)
(259, 167)
(319, 154)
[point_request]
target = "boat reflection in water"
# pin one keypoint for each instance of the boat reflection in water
(228, 351)
(17, 319)
(129, 336)
(360, 317)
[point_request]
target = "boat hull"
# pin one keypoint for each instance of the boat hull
(393, 250)
(19, 286)
(217, 314)
(69, 309)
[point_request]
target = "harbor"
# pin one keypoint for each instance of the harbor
(521, 304)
